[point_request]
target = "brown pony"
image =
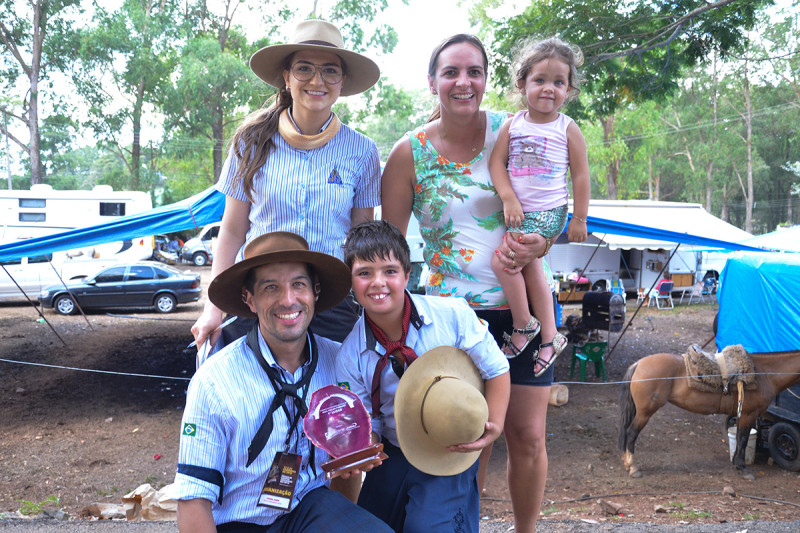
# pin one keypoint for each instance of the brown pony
(657, 379)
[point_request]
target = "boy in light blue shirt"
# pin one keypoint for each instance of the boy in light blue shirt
(395, 328)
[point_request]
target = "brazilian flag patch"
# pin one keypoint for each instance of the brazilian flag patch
(189, 430)
(344, 385)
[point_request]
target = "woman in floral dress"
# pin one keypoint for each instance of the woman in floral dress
(440, 173)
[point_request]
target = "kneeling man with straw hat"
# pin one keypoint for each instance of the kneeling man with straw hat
(244, 463)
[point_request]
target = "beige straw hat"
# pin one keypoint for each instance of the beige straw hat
(225, 290)
(361, 73)
(439, 402)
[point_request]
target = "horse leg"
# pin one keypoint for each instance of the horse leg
(742, 435)
(633, 418)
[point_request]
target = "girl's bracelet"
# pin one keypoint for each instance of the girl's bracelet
(579, 219)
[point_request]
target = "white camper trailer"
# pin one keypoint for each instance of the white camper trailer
(41, 211)
(638, 262)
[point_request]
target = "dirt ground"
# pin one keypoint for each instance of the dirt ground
(88, 437)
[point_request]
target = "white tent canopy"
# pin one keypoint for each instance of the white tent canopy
(677, 217)
(783, 239)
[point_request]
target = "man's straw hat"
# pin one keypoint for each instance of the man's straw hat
(439, 403)
(227, 289)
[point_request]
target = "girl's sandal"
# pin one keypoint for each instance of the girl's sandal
(559, 343)
(531, 329)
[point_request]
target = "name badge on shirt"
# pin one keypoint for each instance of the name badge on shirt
(278, 490)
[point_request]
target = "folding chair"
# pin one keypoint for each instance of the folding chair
(664, 295)
(641, 295)
(695, 293)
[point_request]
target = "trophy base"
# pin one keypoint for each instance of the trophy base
(354, 461)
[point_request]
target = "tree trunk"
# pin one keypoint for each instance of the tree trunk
(710, 166)
(724, 211)
(136, 148)
(217, 133)
(34, 145)
(748, 120)
(613, 166)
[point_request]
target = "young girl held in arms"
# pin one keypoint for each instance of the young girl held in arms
(529, 170)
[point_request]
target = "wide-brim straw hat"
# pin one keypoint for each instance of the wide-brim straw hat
(226, 291)
(439, 402)
(361, 73)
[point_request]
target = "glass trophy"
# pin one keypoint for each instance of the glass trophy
(338, 423)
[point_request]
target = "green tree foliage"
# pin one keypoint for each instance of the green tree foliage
(633, 51)
(395, 112)
(36, 37)
(126, 58)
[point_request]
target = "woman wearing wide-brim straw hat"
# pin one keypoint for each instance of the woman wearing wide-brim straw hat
(294, 167)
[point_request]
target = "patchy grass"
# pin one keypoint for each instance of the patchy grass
(694, 514)
(31, 508)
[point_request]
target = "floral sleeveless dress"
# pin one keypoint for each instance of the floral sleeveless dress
(460, 218)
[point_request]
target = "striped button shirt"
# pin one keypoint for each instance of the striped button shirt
(311, 192)
(226, 403)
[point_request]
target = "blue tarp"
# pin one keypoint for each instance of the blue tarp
(758, 302)
(194, 212)
(208, 206)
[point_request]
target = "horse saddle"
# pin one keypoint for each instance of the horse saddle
(717, 372)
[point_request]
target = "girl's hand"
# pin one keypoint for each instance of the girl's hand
(513, 213)
(525, 248)
(576, 231)
(490, 434)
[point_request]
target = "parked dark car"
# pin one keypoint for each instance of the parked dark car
(142, 284)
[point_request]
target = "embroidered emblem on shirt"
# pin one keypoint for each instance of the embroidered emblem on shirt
(344, 385)
(335, 177)
(190, 430)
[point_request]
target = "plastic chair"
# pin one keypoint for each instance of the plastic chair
(641, 295)
(617, 287)
(664, 295)
(695, 293)
(591, 351)
(709, 286)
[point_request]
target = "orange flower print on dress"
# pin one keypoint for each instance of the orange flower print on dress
(418, 188)
(441, 160)
(436, 260)
(423, 138)
(445, 251)
(436, 279)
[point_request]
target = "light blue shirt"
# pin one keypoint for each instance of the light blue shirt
(311, 192)
(436, 321)
(226, 403)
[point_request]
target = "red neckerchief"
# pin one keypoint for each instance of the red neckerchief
(406, 352)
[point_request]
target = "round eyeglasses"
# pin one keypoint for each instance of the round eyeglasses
(305, 71)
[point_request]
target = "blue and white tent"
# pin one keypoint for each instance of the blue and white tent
(208, 206)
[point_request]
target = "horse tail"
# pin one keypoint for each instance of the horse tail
(627, 409)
